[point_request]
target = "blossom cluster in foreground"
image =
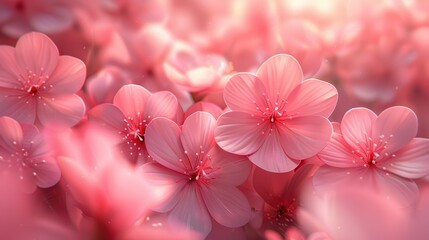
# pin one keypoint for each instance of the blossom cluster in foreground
(214, 120)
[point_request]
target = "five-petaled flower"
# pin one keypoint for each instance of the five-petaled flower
(39, 85)
(200, 177)
(379, 153)
(277, 118)
(132, 110)
(25, 155)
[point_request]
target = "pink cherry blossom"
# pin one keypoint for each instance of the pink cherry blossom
(98, 181)
(282, 195)
(25, 156)
(140, 49)
(39, 85)
(353, 212)
(102, 86)
(132, 110)
(306, 45)
(277, 118)
(380, 153)
(201, 177)
(22, 16)
(193, 70)
(23, 217)
(375, 59)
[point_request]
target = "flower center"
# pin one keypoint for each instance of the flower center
(19, 161)
(33, 89)
(273, 109)
(371, 151)
(34, 82)
(198, 167)
(134, 134)
(196, 176)
(140, 136)
(135, 127)
(282, 216)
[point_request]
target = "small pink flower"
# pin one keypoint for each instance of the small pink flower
(106, 194)
(102, 86)
(306, 45)
(132, 110)
(201, 177)
(18, 17)
(282, 195)
(277, 118)
(380, 153)
(194, 70)
(354, 212)
(25, 156)
(37, 83)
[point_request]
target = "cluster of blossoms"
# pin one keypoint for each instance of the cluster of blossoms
(232, 119)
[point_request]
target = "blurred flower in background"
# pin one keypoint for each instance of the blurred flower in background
(100, 100)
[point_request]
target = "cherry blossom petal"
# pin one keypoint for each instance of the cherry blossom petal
(162, 138)
(304, 137)
(190, 211)
(328, 178)
(339, 154)
(303, 174)
(226, 204)
(11, 134)
(37, 53)
(46, 173)
(103, 85)
(274, 235)
(66, 109)
(198, 136)
(221, 232)
(229, 168)
(201, 78)
(356, 127)
(398, 125)
(170, 106)
(18, 106)
(131, 99)
(168, 185)
(412, 161)
(271, 156)
(243, 92)
(400, 190)
(27, 183)
(31, 136)
(52, 20)
(239, 133)
(271, 186)
(337, 127)
(82, 184)
(109, 115)
(319, 236)
(313, 97)
(9, 69)
(280, 75)
(133, 149)
(209, 107)
(294, 233)
(68, 76)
